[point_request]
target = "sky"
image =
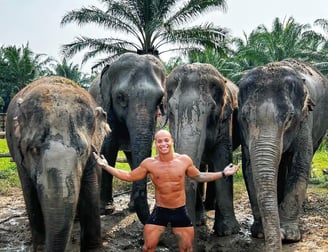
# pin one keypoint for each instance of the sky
(37, 22)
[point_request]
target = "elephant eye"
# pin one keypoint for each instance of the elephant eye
(35, 151)
(122, 100)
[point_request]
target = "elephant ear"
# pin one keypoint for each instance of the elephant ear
(16, 127)
(101, 117)
(105, 90)
(308, 103)
(95, 91)
(15, 122)
(230, 101)
(102, 128)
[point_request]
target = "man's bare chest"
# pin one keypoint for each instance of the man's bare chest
(169, 171)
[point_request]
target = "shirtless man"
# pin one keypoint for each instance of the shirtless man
(167, 171)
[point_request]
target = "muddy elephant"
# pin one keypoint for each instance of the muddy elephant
(52, 127)
(131, 90)
(283, 118)
(201, 105)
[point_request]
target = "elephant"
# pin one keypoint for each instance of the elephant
(283, 119)
(202, 108)
(131, 91)
(52, 127)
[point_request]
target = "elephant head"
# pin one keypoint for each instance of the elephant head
(281, 128)
(200, 107)
(131, 91)
(52, 127)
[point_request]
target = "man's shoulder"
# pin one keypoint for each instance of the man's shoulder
(149, 160)
(181, 156)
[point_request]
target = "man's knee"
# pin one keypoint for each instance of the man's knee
(186, 244)
(186, 247)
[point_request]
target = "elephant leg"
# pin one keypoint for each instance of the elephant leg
(200, 209)
(209, 190)
(225, 219)
(33, 209)
(210, 196)
(209, 202)
(106, 194)
(128, 156)
(89, 212)
(110, 151)
(294, 196)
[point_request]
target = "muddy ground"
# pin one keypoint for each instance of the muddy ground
(122, 231)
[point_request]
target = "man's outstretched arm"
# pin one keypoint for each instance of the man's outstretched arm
(211, 176)
(137, 174)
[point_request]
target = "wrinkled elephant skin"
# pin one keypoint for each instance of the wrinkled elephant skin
(52, 127)
(283, 119)
(201, 104)
(131, 90)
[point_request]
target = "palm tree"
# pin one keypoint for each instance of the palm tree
(323, 23)
(322, 64)
(287, 39)
(151, 26)
(18, 67)
(72, 72)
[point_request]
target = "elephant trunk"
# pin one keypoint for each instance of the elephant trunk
(190, 141)
(58, 190)
(265, 154)
(141, 135)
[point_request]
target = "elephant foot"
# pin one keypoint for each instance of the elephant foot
(290, 232)
(226, 227)
(201, 218)
(257, 230)
(107, 209)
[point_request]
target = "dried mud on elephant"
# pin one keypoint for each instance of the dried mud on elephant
(122, 231)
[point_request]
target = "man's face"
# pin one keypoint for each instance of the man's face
(163, 142)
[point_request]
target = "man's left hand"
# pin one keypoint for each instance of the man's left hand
(231, 169)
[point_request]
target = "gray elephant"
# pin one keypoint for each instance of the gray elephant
(52, 127)
(283, 118)
(201, 104)
(131, 90)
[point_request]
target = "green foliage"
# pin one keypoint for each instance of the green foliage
(321, 182)
(151, 26)
(72, 72)
(319, 165)
(18, 67)
(286, 39)
(172, 63)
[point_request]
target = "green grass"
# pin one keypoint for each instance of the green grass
(319, 164)
(8, 172)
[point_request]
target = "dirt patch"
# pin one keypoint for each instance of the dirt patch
(122, 231)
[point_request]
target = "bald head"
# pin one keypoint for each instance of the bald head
(162, 133)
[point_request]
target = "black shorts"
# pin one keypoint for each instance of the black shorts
(178, 217)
